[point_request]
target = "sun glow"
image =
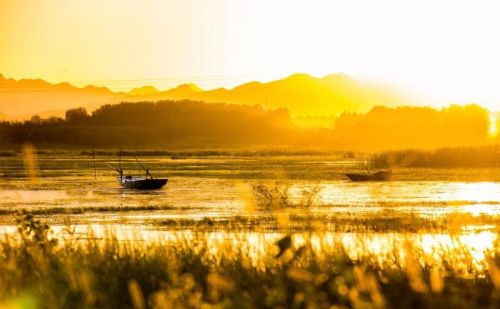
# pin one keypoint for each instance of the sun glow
(125, 44)
(493, 124)
(480, 192)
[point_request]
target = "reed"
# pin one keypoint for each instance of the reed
(40, 271)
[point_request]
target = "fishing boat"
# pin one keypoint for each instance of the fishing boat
(378, 176)
(141, 183)
(148, 182)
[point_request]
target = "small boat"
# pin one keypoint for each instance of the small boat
(378, 176)
(139, 183)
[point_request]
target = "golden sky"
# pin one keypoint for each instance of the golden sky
(447, 50)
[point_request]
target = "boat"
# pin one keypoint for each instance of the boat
(141, 183)
(148, 182)
(378, 176)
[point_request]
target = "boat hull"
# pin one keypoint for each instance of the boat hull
(379, 176)
(145, 184)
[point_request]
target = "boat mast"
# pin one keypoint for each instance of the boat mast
(145, 169)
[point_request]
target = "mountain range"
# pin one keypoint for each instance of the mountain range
(303, 95)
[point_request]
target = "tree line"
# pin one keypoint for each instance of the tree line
(195, 124)
(149, 124)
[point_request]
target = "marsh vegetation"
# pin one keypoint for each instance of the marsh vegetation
(247, 231)
(39, 270)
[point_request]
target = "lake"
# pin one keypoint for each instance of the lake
(252, 201)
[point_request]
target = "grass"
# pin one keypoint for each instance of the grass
(384, 222)
(38, 271)
(8, 154)
(465, 157)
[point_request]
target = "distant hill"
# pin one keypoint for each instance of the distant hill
(26, 97)
(146, 90)
(302, 94)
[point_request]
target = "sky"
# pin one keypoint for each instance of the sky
(447, 51)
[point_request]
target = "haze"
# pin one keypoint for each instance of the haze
(443, 51)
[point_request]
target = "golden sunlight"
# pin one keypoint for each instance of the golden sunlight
(493, 124)
(249, 154)
(226, 43)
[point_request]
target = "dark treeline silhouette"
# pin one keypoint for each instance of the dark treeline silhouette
(186, 123)
(148, 124)
(415, 127)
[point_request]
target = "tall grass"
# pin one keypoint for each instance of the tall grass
(485, 156)
(36, 270)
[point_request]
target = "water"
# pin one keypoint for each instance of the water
(221, 188)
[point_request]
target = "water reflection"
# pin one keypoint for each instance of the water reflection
(233, 196)
(32, 196)
(480, 192)
(401, 192)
